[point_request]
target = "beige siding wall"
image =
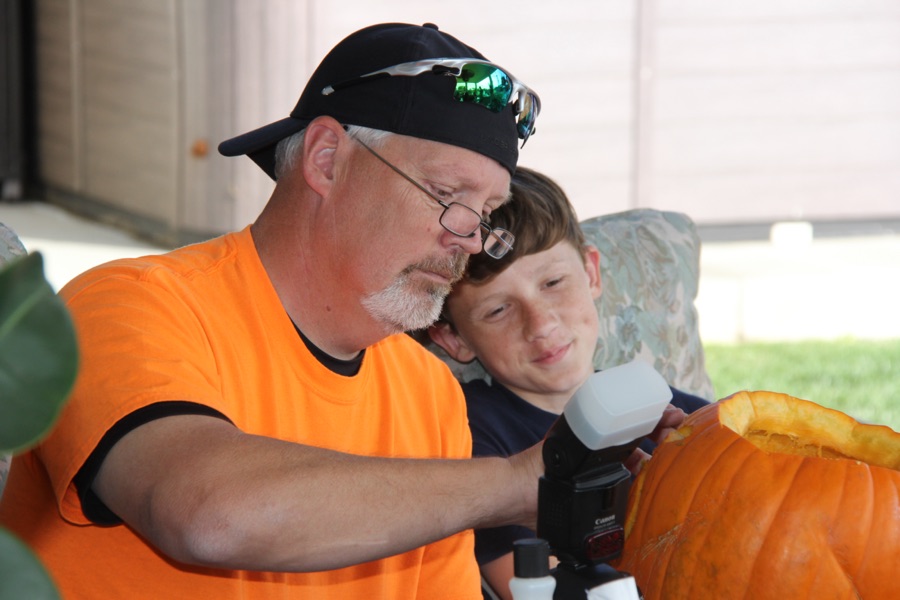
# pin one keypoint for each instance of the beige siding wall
(739, 111)
(129, 86)
(578, 54)
(109, 101)
(255, 55)
(56, 95)
(778, 110)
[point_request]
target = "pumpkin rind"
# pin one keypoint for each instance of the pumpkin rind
(713, 515)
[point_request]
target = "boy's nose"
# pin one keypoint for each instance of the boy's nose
(540, 320)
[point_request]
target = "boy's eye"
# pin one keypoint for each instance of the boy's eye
(553, 282)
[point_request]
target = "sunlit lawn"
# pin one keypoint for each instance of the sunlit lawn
(858, 377)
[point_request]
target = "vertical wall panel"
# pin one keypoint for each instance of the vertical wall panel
(268, 48)
(57, 107)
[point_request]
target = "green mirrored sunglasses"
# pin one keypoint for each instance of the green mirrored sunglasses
(477, 81)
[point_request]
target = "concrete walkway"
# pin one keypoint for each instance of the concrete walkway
(799, 287)
(69, 244)
(816, 289)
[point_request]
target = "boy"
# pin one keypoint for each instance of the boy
(530, 319)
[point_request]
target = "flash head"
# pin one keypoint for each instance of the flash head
(618, 405)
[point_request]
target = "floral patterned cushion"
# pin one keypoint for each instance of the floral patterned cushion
(10, 245)
(650, 270)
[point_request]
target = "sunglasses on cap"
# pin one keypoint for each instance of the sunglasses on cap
(477, 81)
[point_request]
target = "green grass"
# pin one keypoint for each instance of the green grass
(857, 377)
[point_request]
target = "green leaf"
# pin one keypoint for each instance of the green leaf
(21, 574)
(38, 354)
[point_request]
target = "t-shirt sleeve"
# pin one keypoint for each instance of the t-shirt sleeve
(93, 508)
(127, 329)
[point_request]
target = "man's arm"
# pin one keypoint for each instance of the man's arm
(205, 493)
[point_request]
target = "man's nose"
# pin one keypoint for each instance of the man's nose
(471, 244)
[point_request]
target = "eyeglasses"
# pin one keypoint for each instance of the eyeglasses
(477, 81)
(458, 218)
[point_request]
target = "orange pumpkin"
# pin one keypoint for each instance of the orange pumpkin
(762, 495)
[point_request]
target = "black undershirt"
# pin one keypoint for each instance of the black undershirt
(93, 507)
(347, 368)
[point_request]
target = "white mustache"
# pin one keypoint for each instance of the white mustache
(451, 267)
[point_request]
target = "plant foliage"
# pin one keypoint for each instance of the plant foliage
(38, 365)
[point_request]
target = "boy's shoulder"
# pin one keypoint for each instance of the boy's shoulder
(502, 424)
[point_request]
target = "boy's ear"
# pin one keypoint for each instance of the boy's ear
(445, 336)
(592, 268)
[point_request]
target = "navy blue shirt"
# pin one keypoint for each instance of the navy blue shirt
(504, 424)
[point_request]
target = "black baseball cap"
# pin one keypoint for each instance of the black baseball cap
(421, 106)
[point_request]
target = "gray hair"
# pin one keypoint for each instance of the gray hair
(288, 149)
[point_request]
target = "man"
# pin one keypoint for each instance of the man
(248, 421)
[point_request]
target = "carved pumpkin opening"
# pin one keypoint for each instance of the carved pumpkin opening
(776, 423)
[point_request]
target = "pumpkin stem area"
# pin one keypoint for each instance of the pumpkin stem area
(778, 423)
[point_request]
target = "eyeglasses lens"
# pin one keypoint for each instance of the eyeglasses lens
(483, 84)
(498, 242)
(491, 87)
(526, 116)
(460, 220)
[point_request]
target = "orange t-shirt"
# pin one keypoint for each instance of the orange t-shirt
(204, 324)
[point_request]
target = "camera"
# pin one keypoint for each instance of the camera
(583, 494)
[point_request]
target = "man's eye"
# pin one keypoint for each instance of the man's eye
(496, 312)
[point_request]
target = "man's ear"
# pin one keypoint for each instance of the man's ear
(320, 144)
(592, 268)
(444, 335)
